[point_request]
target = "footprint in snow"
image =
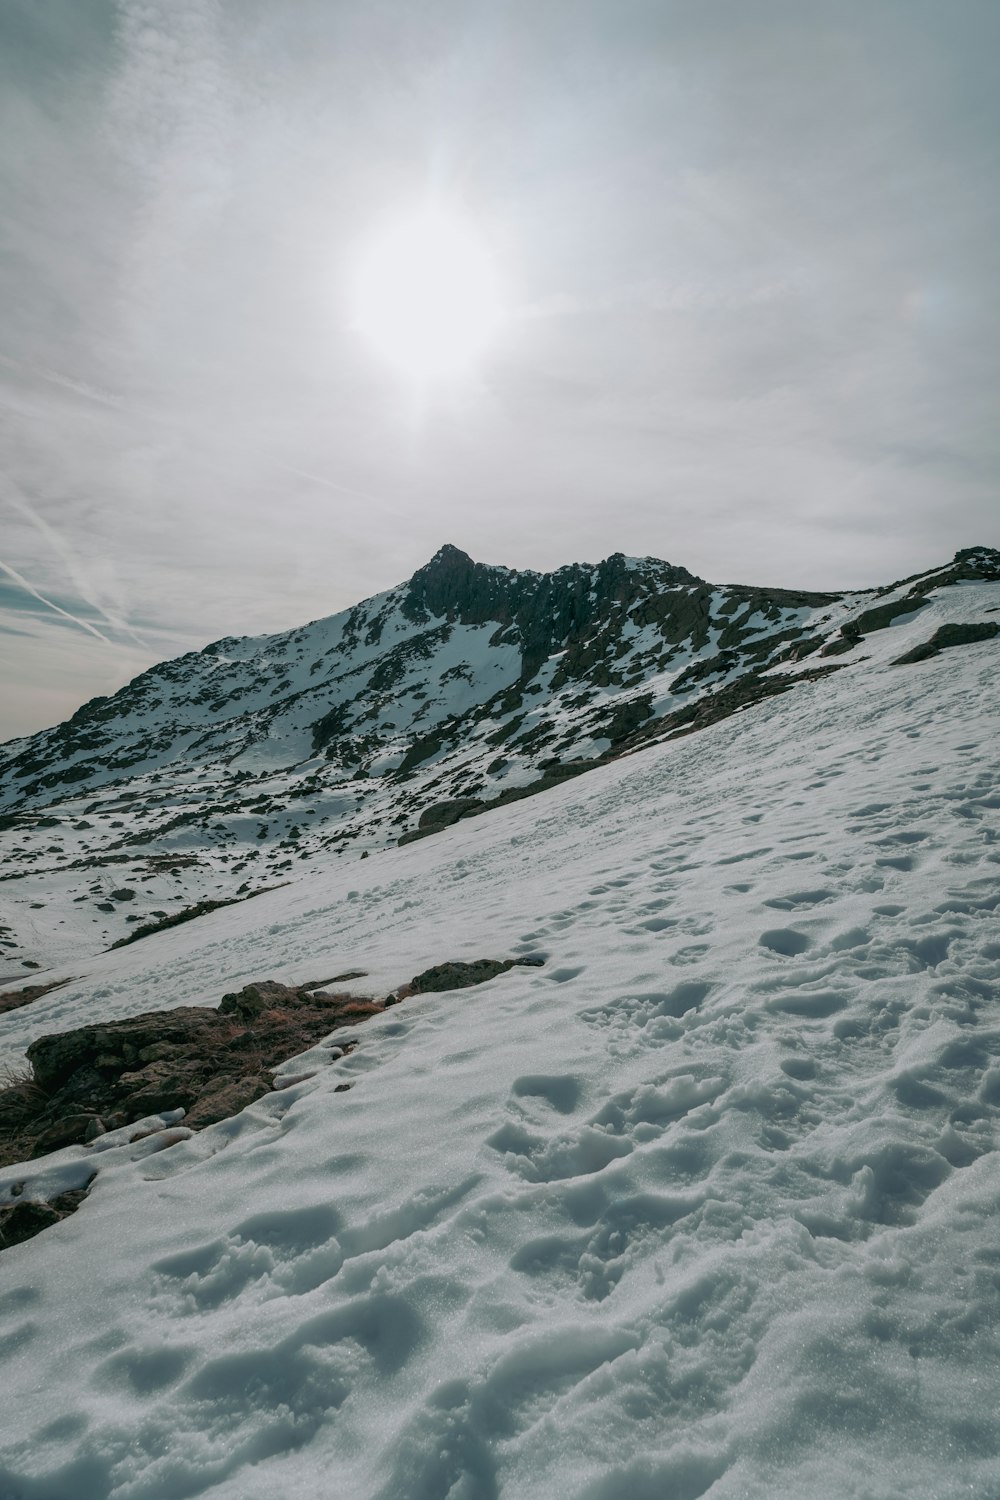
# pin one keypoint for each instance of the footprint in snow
(625, 1122)
(558, 1091)
(693, 953)
(641, 1007)
(902, 862)
(845, 942)
(799, 899)
(785, 940)
(811, 1005)
(931, 950)
(210, 1275)
(141, 1371)
(595, 1258)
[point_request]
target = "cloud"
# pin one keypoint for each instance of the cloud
(752, 250)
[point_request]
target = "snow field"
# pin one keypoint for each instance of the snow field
(705, 1206)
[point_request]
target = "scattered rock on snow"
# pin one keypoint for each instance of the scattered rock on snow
(211, 1063)
(461, 976)
(947, 636)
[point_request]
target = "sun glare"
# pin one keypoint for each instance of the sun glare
(427, 296)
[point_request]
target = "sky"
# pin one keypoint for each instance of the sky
(749, 262)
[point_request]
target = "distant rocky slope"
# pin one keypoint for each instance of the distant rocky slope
(211, 775)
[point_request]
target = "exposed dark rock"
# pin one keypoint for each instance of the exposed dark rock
(853, 632)
(732, 698)
(75, 1126)
(628, 716)
(208, 1062)
(969, 565)
(701, 671)
(840, 645)
(443, 814)
(461, 975)
(545, 610)
(14, 999)
(24, 1220)
(226, 1098)
(948, 636)
(977, 563)
(211, 1063)
(422, 748)
(882, 615)
(555, 774)
(348, 974)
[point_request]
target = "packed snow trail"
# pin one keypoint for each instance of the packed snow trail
(705, 1206)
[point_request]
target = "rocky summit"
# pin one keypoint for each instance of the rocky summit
(216, 775)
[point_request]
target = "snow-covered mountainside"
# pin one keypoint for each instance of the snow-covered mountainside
(703, 1206)
(216, 775)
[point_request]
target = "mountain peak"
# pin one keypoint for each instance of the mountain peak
(448, 560)
(448, 555)
(468, 684)
(452, 582)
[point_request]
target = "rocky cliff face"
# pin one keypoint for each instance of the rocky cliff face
(364, 686)
(469, 684)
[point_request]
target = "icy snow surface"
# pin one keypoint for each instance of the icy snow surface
(705, 1206)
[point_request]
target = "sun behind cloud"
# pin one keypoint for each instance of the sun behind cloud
(427, 295)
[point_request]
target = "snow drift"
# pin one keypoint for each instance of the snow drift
(704, 1206)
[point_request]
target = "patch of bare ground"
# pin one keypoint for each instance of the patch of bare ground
(14, 999)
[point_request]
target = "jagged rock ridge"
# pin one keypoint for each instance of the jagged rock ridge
(213, 774)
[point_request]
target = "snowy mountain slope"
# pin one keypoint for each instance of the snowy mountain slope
(704, 1207)
(220, 773)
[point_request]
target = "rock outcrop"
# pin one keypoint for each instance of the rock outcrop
(459, 975)
(210, 1063)
(25, 994)
(24, 1220)
(948, 636)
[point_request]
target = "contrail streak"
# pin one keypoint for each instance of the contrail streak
(30, 588)
(184, 430)
(106, 398)
(20, 502)
(343, 489)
